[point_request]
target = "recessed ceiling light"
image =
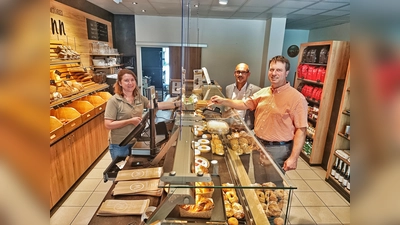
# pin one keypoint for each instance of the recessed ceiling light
(223, 2)
(135, 3)
(196, 6)
(143, 10)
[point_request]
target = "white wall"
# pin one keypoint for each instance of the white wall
(229, 42)
(293, 37)
(339, 33)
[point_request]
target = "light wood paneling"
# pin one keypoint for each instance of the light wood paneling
(75, 28)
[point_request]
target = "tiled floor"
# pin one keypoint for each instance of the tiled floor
(314, 202)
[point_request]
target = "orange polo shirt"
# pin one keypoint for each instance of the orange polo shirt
(278, 112)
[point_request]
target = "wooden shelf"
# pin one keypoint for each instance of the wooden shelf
(311, 81)
(343, 159)
(346, 113)
(344, 136)
(341, 141)
(312, 120)
(314, 64)
(105, 54)
(336, 67)
(106, 67)
(87, 91)
(63, 61)
(305, 156)
(313, 101)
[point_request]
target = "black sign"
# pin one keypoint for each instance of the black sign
(96, 31)
(293, 50)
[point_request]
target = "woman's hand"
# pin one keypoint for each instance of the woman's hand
(135, 120)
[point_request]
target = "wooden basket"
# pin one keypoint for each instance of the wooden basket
(98, 102)
(67, 113)
(84, 108)
(104, 95)
(56, 129)
(201, 214)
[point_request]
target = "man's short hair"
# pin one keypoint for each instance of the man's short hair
(282, 59)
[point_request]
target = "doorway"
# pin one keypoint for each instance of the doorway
(155, 69)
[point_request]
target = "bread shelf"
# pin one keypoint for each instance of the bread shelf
(106, 67)
(87, 91)
(105, 54)
(63, 61)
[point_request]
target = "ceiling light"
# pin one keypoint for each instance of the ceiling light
(223, 2)
(196, 6)
(117, 1)
(135, 3)
(143, 10)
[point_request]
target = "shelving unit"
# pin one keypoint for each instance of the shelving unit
(341, 141)
(336, 59)
(109, 69)
(84, 136)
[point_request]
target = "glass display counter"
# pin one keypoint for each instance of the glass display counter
(209, 162)
(220, 158)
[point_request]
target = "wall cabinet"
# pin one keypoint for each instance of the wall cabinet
(320, 66)
(340, 150)
(72, 155)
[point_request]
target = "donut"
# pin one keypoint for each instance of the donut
(279, 221)
(264, 206)
(229, 213)
(269, 184)
(233, 221)
(272, 197)
(232, 197)
(261, 196)
(238, 214)
(237, 207)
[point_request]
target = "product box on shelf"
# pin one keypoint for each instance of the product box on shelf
(85, 108)
(104, 95)
(98, 102)
(56, 129)
(69, 116)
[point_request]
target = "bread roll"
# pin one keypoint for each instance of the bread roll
(233, 221)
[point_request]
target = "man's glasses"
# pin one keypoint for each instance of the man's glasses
(241, 72)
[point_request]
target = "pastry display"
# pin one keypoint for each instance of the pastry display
(241, 142)
(272, 200)
(217, 127)
(231, 202)
(201, 209)
(216, 145)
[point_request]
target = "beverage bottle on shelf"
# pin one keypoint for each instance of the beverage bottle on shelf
(334, 168)
(346, 178)
(348, 183)
(342, 173)
(338, 170)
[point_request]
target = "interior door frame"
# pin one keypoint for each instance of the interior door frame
(155, 45)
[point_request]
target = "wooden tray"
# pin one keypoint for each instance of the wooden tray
(67, 113)
(98, 102)
(56, 129)
(85, 108)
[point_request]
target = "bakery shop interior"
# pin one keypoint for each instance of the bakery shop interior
(199, 112)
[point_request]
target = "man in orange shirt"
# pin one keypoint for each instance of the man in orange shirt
(280, 115)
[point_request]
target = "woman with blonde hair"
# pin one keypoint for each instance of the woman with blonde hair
(124, 111)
